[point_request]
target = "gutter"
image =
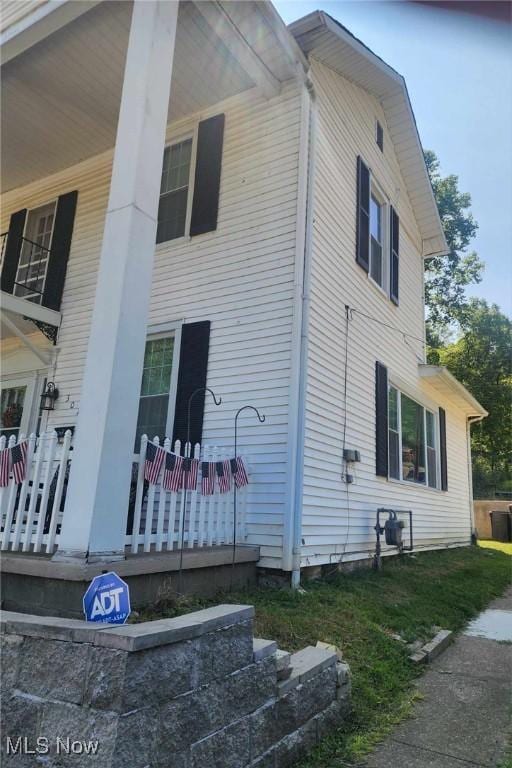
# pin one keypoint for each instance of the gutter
(293, 516)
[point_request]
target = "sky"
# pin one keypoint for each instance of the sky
(458, 69)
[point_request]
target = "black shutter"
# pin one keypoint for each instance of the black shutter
(394, 255)
(195, 341)
(205, 206)
(442, 445)
(363, 216)
(381, 420)
(12, 250)
(59, 253)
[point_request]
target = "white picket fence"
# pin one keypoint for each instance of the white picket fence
(163, 519)
(30, 513)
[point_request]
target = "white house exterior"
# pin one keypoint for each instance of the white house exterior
(257, 288)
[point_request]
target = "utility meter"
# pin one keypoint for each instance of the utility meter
(393, 529)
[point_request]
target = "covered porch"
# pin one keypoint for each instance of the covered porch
(80, 79)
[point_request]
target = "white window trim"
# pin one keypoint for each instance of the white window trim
(162, 331)
(33, 381)
(377, 192)
(177, 139)
(435, 412)
(53, 201)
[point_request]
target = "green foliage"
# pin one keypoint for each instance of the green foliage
(481, 360)
(446, 277)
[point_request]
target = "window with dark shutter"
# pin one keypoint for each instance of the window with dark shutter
(394, 255)
(192, 372)
(381, 420)
(59, 253)
(205, 205)
(442, 449)
(363, 215)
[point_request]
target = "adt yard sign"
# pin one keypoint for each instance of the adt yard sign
(107, 599)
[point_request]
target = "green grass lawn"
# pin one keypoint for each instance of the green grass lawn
(360, 612)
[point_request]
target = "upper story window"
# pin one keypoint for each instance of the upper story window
(377, 233)
(174, 189)
(377, 245)
(412, 440)
(35, 253)
(379, 135)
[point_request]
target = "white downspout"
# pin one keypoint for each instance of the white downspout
(293, 518)
(469, 421)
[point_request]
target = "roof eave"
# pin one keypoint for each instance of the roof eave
(441, 373)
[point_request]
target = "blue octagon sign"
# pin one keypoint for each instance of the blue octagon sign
(107, 599)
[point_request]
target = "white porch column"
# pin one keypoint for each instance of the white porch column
(97, 499)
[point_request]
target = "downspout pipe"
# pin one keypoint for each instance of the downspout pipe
(293, 517)
(471, 420)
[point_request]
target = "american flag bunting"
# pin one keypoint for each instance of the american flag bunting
(208, 478)
(223, 475)
(19, 461)
(173, 472)
(190, 469)
(5, 464)
(239, 472)
(153, 464)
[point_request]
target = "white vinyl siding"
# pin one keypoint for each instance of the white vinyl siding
(338, 521)
(240, 278)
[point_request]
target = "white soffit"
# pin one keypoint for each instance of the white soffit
(337, 48)
(446, 384)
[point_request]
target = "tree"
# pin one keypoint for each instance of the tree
(446, 277)
(481, 360)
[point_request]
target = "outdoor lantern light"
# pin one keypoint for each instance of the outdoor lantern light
(49, 397)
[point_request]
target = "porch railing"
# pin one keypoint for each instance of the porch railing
(31, 512)
(160, 520)
(31, 271)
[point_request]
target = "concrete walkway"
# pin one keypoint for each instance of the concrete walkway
(464, 719)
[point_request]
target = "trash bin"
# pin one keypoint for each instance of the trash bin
(501, 525)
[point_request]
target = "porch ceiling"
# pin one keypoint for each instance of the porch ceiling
(60, 97)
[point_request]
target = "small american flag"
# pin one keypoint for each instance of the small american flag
(19, 461)
(173, 472)
(208, 478)
(223, 475)
(239, 472)
(190, 468)
(154, 460)
(5, 463)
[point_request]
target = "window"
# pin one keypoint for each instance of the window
(376, 241)
(172, 209)
(412, 440)
(34, 254)
(379, 136)
(154, 409)
(11, 410)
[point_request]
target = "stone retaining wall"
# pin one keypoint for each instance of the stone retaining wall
(197, 691)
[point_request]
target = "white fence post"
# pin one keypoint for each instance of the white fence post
(23, 493)
(51, 445)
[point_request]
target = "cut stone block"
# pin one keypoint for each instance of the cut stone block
(310, 661)
(263, 648)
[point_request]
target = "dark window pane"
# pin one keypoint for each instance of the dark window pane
(172, 211)
(394, 449)
(376, 262)
(413, 441)
(432, 468)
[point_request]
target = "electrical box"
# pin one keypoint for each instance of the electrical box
(350, 454)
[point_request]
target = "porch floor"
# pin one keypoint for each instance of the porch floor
(33, 583)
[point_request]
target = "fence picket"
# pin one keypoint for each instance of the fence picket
(58, 491)
(23, 494)
(11, 500)
(49, 450)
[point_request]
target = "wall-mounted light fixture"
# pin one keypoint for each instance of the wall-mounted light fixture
(49, 397)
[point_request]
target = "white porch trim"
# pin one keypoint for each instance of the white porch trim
(95, 514)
